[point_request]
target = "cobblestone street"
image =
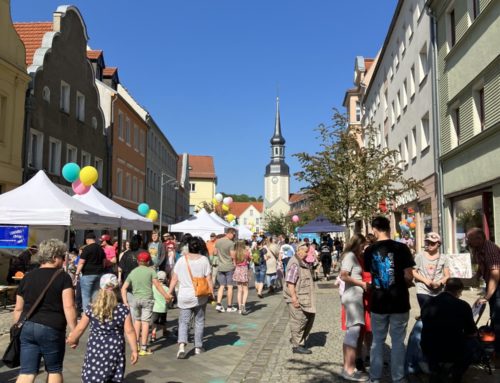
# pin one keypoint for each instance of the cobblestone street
(247, 349)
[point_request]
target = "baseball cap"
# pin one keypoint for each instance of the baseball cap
(144, 257)
(161, 275)
(105, 237)
(108, 281)
(212, 235)
(433, 237)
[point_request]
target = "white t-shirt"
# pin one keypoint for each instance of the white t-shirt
(199, 268)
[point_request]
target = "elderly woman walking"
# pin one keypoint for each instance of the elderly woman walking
(43, 334)
(191, 265)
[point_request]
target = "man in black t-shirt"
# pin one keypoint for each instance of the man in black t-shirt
(325, 251)
(448, 332)
(90, 268)
(390, 264)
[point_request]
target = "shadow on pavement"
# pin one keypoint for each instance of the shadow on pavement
(317, 339)
(255, 306)
(9, 376)
(136, 376)
(316, 372)
(215, 341)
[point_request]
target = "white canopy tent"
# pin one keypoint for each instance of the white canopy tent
(41, 203)
(244, 232)
(201, 224)
(219, 219)
(128, 219)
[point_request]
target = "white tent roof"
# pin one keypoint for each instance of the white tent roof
(219, 219)
(129, 220)
(244, 232)
(41, 203)
(202, 224)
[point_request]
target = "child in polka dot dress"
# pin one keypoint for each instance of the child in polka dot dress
(109, 322)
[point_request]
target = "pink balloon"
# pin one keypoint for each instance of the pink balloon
(295, 218)
(79, 188)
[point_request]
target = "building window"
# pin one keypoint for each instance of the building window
(479, 108)
(54, 156)
(413, 148)
(136, 137)
(424, 132)
(393, 114)
(80, 107)
(94, 123)
(402, 48)
(36, 149)
(46, 94)
(405, 151)
(476, 8)
(127, 130)
(422, 64)
(398, 105)
(399, 157)
(386, 141)
(120, 125)
(142, 139)
(64, 102)
(141, 191)
(85, 159)
(119, 182)
(134, 189)
(412, 81)
(452, 28)
(71, 153)
(128, 186)
(404, 100)
(455, 123)
(192, 187)
(385, 102)
(396, 62)
(98, 164)
(391, 73)
(409, 32)
(358, 111)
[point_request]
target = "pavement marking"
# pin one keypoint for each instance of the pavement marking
(252, 326)
(217, 380)
(233, 327)
(239, 342)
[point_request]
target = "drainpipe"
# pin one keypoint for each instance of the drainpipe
(438, 165)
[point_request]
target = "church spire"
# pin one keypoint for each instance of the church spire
(277, 138)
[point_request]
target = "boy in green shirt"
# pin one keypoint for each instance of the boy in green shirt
(159, 317)
(142, 279)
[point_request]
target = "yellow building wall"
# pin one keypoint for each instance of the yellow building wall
(204, 191)
(13, 84)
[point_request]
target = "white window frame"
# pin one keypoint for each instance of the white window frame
(192, 187)
(406, 151)
(404, 93)
(65, 91)
(455, 124)
(424, 132)
(398, 104)
(119, 182)
(423, 64)
(37, 162)
(412, 82)
(99, 165)
(80, 106)
(142, 140)
(134, 188)
(54, 158)
(141, 190)
(136, 137)
(84, 161)
(46, 94)
(413, 148)
(128, 186)
(120, 126)
(71, 153)
(127, 131)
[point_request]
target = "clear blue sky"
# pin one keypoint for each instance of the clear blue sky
(208, 70)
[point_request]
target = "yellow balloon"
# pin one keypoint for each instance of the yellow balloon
(214, 202)
(152, 215)
(230, 217)
(88, 175)
(225, 207)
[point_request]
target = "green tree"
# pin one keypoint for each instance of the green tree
(276, 224)
(351, 174)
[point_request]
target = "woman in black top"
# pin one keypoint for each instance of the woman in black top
(43, 335)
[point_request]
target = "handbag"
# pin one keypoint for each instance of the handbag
(12, 355)
(200, 284)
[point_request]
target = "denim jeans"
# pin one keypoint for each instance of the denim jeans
(396, 325)
(199, 324)
(37, 341)
(89, 285)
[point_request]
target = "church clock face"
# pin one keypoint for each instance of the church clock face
(274, 180)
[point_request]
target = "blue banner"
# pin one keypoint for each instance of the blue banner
(13, 237)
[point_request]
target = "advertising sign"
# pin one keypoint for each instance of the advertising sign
(460, 265)
(13, 237)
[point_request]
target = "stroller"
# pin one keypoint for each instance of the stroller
(486, 336)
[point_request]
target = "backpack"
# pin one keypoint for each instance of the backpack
(256, 256)
(325, 251)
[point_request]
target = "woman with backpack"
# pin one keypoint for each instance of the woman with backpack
(259, 266)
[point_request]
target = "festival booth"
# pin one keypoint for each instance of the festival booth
(128, 219)
(201, 224)
(321, 224)
(244, 232)
(219, 219)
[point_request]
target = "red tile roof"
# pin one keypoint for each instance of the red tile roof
(237, 208)
(296, 197)
(94, 54)
(32, 35)
(201, 167)
(109, 71)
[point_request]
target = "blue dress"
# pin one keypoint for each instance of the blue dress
(105, 356)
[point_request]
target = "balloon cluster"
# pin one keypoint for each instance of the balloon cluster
(226, 202)
(144, 210)
(295, 218)
(81, 179)
(408, 224)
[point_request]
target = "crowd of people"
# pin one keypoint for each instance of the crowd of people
(125, 295)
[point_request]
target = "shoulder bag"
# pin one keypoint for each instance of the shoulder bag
(200, 284)
(12, 355)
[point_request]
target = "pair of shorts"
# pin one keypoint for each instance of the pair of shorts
(37, 341)
(143, 309)
(225, 278)
(159, 318)
(260, 274)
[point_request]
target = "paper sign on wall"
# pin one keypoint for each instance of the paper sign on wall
(460, 265)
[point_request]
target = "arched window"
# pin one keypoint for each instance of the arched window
(46, 94)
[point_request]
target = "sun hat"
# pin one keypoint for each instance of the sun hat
(161, 275)
(144, 257)
(433, 237)
(108, 282)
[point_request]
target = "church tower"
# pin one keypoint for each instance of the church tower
(277, 178)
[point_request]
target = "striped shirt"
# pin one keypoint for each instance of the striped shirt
(488, 258)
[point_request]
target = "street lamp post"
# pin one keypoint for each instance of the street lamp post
(169, 180)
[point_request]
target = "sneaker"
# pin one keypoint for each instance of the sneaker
(231, 309)
(356, 376)
(181, 353)
(144, 352)
(199, 350)
(243, 311)
(220, 308)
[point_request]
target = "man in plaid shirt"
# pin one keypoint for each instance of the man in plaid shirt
(487, 255)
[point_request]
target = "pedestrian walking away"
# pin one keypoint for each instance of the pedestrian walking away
(224, 249)
(110, 322)
(240, 276)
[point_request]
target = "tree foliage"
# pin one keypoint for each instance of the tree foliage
(243, 197)
(352, 173)
(276, 224)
